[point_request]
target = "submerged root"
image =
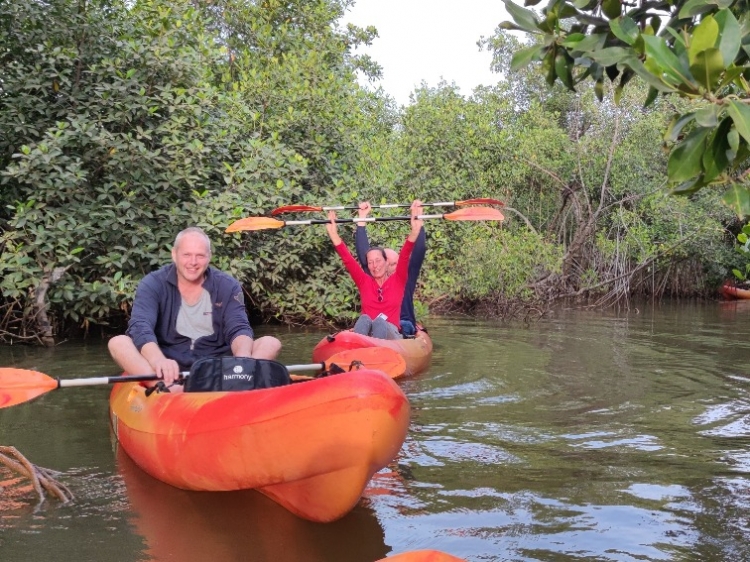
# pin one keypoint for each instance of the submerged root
(42, 479)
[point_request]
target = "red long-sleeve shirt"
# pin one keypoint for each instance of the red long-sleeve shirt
(392, 289)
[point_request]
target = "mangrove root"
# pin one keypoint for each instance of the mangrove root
(42, 479)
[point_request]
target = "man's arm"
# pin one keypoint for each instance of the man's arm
(361, 243)
(143, 316)
(417, 256)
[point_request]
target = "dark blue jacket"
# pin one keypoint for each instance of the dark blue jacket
(157, 303)
(415, 265)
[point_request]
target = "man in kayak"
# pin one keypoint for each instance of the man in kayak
(380, 294)
(408, 318)
(185, 311)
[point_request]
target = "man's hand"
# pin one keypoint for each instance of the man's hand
(167, 369)
(416, 224)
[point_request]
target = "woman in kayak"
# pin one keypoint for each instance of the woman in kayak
(379, 293)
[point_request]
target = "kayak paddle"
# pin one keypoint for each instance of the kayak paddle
(305, 208)
(21, 385)
(467, 214)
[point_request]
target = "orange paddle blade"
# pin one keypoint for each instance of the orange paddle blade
(294, 209)
(480, 201)
(378, 358)
(254, 223)
(475, 214)
(19, 385)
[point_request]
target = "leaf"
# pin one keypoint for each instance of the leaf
(733, 138)
(651, 96)
(562, 69)
(715, 159)
(708, 116)
(730, 36)
(687, 187)
(593, 42)
(625, 29)
(737, 198)
(610, 56)
(611, 8)
(740, 114)
(526, 19)
(658, 51)
(675, 127)
(696, 7)
(685, 159)
(703, 37)
(708, 68)
(548, 67)
(523, 57)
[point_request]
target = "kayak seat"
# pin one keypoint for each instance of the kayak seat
(216, 374)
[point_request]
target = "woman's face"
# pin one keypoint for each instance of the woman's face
(376, 264)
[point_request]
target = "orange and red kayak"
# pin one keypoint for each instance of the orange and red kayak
(311, 447)
(732, 291)
(416, 351)
(422, 556)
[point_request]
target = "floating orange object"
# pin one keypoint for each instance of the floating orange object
(311, 447)
(733, 292)
(416, 351)
(422, 556)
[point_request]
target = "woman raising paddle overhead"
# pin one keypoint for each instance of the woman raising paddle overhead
(379, 293)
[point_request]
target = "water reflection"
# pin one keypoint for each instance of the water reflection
(239, 526)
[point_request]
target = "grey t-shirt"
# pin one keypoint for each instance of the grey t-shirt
(195, 321)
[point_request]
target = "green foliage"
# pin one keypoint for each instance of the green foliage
(696, 49)
(744, 250)
(127, 122)
(504, 264)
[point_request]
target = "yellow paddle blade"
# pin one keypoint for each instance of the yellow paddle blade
(254, 223)
(475, 214)
(20, 385)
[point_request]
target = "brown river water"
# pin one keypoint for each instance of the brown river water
(584, 436)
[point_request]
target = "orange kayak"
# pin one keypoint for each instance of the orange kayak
(422, 556)
(731, 291)
(416, 351)
(311, 447)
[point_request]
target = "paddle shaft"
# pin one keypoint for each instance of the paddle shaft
(305, 208)
(393, 205)
(93, 381)
(366, 219)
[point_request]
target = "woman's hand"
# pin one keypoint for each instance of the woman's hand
(333, 229)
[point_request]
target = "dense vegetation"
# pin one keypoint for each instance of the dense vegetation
(124, 122)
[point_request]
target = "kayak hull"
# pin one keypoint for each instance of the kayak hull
(417, 351)
(422, 556)
(311, 447)
(733, 292)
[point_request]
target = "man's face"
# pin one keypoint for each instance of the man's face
(391, 258)
(191, 256)
(376, 264)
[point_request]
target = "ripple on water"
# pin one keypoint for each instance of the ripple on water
(637, 442)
